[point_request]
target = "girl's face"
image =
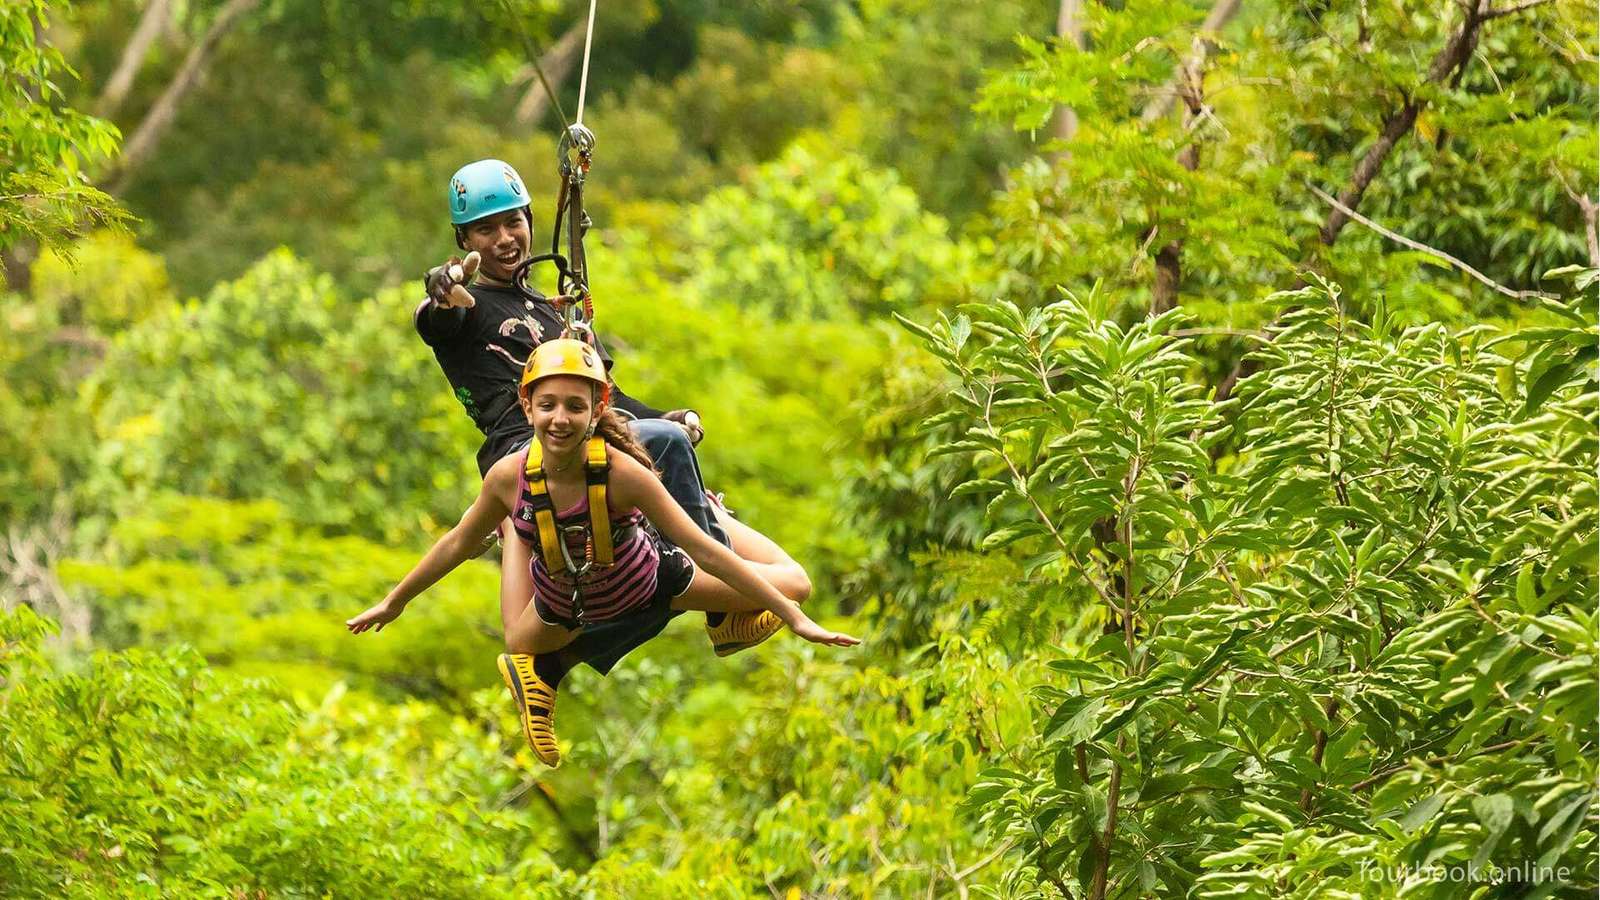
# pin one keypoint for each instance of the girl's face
(560, 409)
(502, 240)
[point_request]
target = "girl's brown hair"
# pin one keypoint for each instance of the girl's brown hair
(615, 430)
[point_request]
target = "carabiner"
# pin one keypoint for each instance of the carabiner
(575, 140)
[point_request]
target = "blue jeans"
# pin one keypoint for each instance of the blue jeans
(680, 471)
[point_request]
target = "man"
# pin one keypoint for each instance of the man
(481, 334)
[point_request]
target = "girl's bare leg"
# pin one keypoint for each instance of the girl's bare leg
(516, 582)
(777, 568)
(534, 636)
(774, 564)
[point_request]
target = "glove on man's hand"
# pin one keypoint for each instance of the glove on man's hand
(445, 284)
(689, 421)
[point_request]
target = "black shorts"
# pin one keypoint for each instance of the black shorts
(672, 577)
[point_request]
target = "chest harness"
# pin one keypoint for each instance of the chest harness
(551, 537)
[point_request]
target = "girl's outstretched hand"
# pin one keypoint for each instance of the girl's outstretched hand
(815, 633)
(375, 618)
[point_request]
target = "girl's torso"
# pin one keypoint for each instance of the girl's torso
(625, 585)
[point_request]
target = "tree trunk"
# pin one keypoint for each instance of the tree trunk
(1457, 51)
(16, 266)
(1161, 103)
(557, 64)
(156, 15)
(165, 111)
(1169, 259)
(1069, 28)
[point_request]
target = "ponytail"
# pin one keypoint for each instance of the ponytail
(616, 432)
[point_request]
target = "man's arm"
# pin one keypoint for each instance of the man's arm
(632, 407)
(437, 324)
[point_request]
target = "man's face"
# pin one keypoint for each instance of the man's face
(502, 241)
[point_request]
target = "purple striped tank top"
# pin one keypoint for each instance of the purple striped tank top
(627, 584)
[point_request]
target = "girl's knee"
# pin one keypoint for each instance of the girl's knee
(522, 640)
(797, 585)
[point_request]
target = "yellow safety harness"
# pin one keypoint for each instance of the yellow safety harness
(599, 550)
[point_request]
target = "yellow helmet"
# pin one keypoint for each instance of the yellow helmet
(565, 356)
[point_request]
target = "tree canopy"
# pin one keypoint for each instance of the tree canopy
(1194, 406)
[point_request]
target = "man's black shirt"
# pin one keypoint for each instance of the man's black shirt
(482, 351)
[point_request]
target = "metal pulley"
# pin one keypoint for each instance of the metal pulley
(574, 151)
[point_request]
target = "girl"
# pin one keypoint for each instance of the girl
(564, 393)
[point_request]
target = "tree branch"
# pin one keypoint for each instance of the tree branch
(1452, 55)
(165, 111)
(1161, 103)
(151, 21)
(557, 63)
(1513, 9)
(1424, 248)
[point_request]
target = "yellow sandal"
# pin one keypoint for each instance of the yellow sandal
(536, 705)
(742, 630)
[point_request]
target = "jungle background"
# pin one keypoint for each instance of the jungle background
(1193, 405)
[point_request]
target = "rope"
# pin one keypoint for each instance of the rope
(531, 50)
(573, 269)
(583, 80)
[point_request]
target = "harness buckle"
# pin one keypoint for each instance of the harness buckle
(577, 571)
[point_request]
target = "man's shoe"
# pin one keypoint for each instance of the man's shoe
(536, 705)
(741, 631)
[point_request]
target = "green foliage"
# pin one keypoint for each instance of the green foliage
(1360, 642)
(1287, 99)
(248, 589)
(1204, 648)
(144, 771)
(49, 340)
(45, 196)
(779, 447)
(820, 235)
(921, 63)
(740, 103)
(108, 284)
(277, 387)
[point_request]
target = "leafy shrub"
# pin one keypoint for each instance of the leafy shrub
(277, 387)
(1361, 640)
(146, 772)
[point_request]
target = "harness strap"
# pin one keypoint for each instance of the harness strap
(597, 468)
(544, 512)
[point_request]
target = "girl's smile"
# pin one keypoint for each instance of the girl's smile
(561, 411)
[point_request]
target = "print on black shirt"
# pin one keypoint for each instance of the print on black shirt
(482, 351)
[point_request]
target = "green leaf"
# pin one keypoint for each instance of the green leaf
(1422, 811)
(1075, 719)
(1495, 811)
(1215, 659)
(1010, 535)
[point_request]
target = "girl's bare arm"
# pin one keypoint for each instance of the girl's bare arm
(634, 485)
(458, 545)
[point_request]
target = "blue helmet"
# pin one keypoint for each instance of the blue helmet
(484, 188)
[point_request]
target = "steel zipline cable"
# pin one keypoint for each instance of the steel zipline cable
(574, 151)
